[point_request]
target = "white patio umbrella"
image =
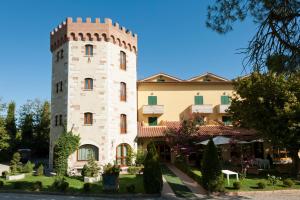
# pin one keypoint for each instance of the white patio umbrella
(217, 140)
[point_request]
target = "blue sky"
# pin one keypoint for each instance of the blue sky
(172, 35)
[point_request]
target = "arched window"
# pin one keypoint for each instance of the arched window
(88, 83)
(89, 50)
(122, 154)
(86, 151)
(122, 60)
(88, 118)
(123, 91)
(123, 123)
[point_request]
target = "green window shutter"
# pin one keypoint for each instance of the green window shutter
(152, 121)
(225, 100)
(198, 100)
(152, 100)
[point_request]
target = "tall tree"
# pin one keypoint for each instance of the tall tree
(11, 123)
(278, 29)
(29, 117)
(4, 137)
(270, 103)
(42, 130)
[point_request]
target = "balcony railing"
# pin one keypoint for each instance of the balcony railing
(223, 108)
(153, 109)
(206, 108)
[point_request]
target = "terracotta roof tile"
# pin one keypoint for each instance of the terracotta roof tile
(206, 130)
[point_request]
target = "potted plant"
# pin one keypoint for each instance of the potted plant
(90, 172)
(110, 177)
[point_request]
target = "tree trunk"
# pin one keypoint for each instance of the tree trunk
(295, 158)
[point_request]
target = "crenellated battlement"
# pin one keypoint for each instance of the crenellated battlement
(88, 30)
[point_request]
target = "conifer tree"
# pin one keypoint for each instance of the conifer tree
(152, 171)
(10, 123)
(211, 168)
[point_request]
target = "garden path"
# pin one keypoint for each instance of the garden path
(197, 189)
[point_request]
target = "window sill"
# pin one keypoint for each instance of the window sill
(87, 124)
(87, 89)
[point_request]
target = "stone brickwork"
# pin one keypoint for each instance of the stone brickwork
(104, 99)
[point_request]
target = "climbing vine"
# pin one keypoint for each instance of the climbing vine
(66, 144)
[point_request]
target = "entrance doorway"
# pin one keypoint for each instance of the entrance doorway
(164, 152)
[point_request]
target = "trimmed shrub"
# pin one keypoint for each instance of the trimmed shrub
(28, 167)
(261, 185)
(37, 186)
(130, 188)
(1, 184)
(87, 187)
(60, 184)
(4, 174)
(40, 170)
(212, 178)
(86, 171)
(134, 170)
(140, 157)
(236, 185)
(152, 172)
(15, 164)
(17, 185)
(288, 182)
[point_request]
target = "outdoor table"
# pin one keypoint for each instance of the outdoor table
(228, 173)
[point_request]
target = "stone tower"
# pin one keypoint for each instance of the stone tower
(94, 89)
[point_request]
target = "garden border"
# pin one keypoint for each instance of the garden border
(138, 195)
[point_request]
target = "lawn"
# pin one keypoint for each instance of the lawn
(75, 184)
(250, 184)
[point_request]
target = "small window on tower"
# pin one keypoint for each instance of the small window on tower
(123, 123)
(61, 54)
(57, 56)
(88, 83)
(57, 87)
(123, 60)
(89, 50)
(56, 120)
(88, 118)
(60, 120)
(61, 86)
(123, 91)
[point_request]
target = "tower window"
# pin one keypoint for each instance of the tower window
(61, 86)
(57, 87)
(57, 56)
(56, 120)
(123, 91)
(122, 60)
(88, 118)
(60, 120)
(61, 54)
(89, 50)
(123, 123)
(88, 83)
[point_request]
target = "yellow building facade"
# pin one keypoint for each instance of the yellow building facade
(165, 98)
